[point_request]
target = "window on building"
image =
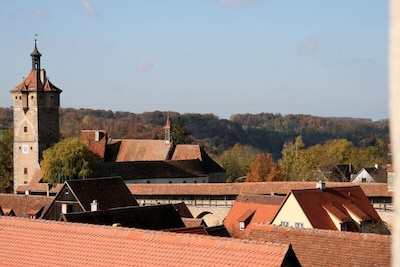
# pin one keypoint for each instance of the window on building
(343, 227)
(25, 129)
(363, 180)
(298, 225)
(284, 223)
(25, 170)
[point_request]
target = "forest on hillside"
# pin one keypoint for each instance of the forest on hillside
(266, 132)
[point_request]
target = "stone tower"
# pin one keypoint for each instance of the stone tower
(36, 103)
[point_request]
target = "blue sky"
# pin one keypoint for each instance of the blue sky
(324, 58)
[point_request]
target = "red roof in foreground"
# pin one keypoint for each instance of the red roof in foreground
(328, 248)
(252, 209)
(51, 243)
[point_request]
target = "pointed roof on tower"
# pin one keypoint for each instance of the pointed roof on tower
(36, 79)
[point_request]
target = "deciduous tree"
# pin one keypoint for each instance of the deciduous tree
(264, 169)
(6, 162)
(68, 159)
(236, 161)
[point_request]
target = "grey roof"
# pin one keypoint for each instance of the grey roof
(145, 217)
(109, 192)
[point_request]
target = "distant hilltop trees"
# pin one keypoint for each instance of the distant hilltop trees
(265, 131)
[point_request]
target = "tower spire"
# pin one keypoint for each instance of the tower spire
(35, 57)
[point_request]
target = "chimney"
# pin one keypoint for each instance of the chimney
(94, 205)
(321, 185)
(42, 75)
(97, 136)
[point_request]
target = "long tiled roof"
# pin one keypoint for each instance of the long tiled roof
(142, 150)
(266, 188)
(328, 248)
(50, 243)
(152, 169)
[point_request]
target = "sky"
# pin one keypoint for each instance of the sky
(322, 58)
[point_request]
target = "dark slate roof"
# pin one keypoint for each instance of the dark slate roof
(109, 192)
(156, 217)
(152, 169)
(218, 230)
(183, 210)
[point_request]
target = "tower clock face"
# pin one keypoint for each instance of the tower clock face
(25, 149)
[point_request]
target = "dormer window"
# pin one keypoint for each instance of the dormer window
(242, 226)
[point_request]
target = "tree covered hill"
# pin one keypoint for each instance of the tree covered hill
(265, 131)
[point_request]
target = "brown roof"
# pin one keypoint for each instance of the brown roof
(142, 150)
(185, 152)
(36, 186)
(97, 147)
(265, 188)
(328, 248)
(73, 244)
(24, 205)
(340, 201)
(260, 208)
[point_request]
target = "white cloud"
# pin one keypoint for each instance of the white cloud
(144, 66)
(310, 46)
(89, 8)
(37, 12)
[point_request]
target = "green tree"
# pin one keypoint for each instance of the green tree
(236, 161)
(291, 154)
(6, 162)
(179, 131)
(68, 159)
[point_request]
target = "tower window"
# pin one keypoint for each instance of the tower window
(25, 170)
(16, 97)
(31, 96)
(25, 129)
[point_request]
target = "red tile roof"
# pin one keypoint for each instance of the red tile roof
(97, 147)
(328, 248)
(50, 243)
(261, 208)
(142, 150)
(33, 83)
(340, 201)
